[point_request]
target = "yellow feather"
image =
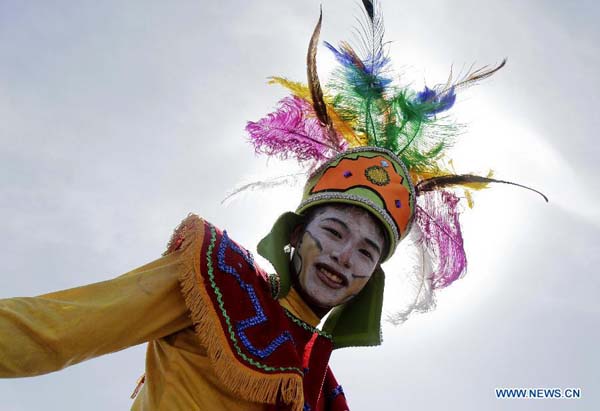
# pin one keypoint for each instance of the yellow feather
(469, 198)
(479, 186)
(298, 89)
(424, 174)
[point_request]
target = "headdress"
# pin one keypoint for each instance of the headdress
(373, 143)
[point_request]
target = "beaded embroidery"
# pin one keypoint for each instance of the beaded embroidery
(260, 316)
(377, 175)
(217, 291)
(256, 327)
(335, 392)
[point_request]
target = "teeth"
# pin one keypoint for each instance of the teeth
(333, 277)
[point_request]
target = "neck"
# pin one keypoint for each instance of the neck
(318, 310)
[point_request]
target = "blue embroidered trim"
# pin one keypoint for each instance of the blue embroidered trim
(306, 407)
(232, 336)
(260, 316)
(335, 392)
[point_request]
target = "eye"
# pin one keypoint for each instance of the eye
(333, 231)
(366, 253)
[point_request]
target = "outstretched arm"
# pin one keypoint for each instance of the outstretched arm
(42, 334)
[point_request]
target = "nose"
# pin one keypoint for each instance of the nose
(343, 255)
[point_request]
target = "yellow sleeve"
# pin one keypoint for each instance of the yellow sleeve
(49, 332)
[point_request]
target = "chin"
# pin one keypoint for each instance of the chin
(318, 293)
(324, 304)
(321, 300)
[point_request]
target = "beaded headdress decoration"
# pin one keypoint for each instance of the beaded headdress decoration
(399, 134)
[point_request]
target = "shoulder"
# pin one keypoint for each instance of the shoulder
(184, 233)
(215, 248)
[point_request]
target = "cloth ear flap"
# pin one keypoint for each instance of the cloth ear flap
(358, 322)
(273, 248)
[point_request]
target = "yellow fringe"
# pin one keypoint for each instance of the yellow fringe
(235, 376)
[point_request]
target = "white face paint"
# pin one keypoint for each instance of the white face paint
(336, 255)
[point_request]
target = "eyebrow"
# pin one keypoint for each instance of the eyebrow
(343, 224)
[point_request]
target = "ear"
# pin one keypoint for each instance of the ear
(296, 235)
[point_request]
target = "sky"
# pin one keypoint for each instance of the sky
(117, 119)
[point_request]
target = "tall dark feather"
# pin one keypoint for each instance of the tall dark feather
(315, 85)
(369, 8)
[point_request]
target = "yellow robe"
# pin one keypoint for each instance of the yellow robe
(39, 335)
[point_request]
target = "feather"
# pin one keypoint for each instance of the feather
(419, 139)
(442, 255)
(473, 76)
(437, 217)
(369, 8)
(467, 180)
(343, 127)
(287, 180)
(298, 89)
(315, 85)
(360, 82)
(442, 97)
(292, 131)
(412, 115)
(438, 101)
(469, 197)
(362, 76)
(370, 34)
(418, 282)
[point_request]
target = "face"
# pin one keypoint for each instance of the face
(336, 254)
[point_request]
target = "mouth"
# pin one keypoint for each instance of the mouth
(331, 277)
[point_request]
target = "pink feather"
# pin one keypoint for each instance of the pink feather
(293, 131)
(437, 216)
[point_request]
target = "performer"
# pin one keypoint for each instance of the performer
(223, 334)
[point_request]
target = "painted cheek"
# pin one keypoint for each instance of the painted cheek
(308, 252)
(309, 247)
